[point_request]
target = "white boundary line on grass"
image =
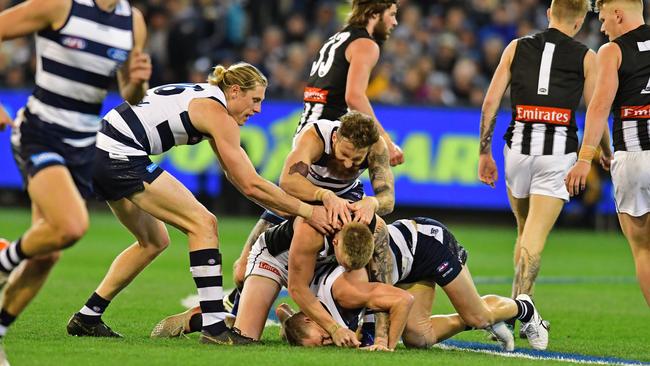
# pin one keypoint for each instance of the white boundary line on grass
(535, 355)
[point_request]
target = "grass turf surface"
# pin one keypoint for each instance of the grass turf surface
(586, 291)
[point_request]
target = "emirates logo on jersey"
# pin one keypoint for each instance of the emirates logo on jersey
(552, 115)
(636, 111)
(316, 95)
(268, 267)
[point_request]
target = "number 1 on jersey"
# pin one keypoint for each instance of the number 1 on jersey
(545, 69)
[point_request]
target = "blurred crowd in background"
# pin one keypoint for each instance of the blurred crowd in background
(442, 53)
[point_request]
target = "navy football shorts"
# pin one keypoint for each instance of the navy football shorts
(37, 145)
(116, 177)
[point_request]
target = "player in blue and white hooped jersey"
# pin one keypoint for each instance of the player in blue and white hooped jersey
(425, 254)
(337, 83)
(325, 164)
(81, 45)
(144, 197)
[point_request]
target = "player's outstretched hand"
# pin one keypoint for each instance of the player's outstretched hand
(320, 220)
(344, 337)
(487, 169)
(337, 208)
(5, 120)
(576, 180)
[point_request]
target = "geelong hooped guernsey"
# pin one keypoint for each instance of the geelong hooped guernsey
(416, 244)
(631, 106)
(156, 124)
(320, 173)
(324, 96)
(546, 85)
(75, 66)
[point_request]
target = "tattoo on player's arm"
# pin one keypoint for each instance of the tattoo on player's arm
(487, 129)
(300, 168)
(380, 271)
(382, 181)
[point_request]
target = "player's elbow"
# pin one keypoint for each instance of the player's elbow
(288, 185)
(251, 188)
(387, 205)
(354, 99)
(490, 105)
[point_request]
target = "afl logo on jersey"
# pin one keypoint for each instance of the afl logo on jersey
(74, 42)
(117, 54)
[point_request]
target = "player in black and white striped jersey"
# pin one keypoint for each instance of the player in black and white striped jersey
(144, 197)
(547, 73)
(624, 88)
(425, 254)
(81, 45)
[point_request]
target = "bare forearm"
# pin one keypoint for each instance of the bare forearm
(308, 303)
(595, 125)
(271, 196)
(488, 122)
(604, 143)
(381, 177)
(133, 93)
(386, 202)
(398, 316)
(380, 270)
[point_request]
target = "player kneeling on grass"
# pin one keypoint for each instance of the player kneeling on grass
(266, 273)
(144, 197)
(425, 254)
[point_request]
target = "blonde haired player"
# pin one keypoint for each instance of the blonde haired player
(547, 73)
(144, 197)
(622, 86)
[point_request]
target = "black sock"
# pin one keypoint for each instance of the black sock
(196, 323)
(5, 321)
(11, 256)
(92, 312)
(525, 310)
(205, 265)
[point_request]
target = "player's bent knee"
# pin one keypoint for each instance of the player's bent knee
(205, 223)
(419, 341)
(69, 233)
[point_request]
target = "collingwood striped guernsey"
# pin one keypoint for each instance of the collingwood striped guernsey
(320, 174)
(75, 66)
(631, 106)
(546, 85)
(321, 287)
(156, 124)
(324, 95)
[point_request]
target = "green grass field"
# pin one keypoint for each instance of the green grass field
(586, 289)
